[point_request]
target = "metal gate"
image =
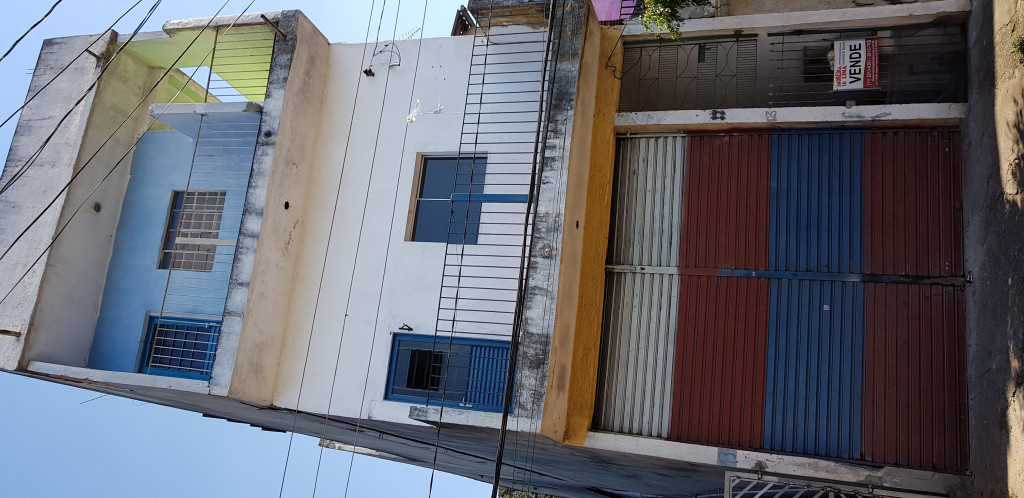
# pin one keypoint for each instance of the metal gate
(640, 329)
(794, 291)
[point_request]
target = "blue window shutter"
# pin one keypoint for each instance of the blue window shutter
(487, 372)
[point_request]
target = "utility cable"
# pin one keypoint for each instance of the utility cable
(170, 68)
(211, 55)
(35, 155)
(355, 263)
(323, 269)
(29, 30)
(465, 229)
(68, 65)
(524, 270)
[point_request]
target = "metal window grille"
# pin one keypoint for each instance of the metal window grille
(180, 347)
(917, 64)
(195, 217)
(466, 373)
(710, 74)
(743, 485)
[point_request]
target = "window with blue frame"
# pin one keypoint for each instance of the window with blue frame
(180, 347)
(450, 199)
(476, 371)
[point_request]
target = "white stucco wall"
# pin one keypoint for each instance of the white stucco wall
(376, 180)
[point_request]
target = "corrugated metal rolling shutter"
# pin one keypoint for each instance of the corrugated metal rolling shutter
(720, 361)
(915, 392)
(720, 356)
(640, 313)
(726, 201)
(817, 288)
(816, 331)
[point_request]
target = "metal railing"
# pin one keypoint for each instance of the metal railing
(199, 244)
(917, 64)
(708, 74)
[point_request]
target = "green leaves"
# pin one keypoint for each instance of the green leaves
(663, 15)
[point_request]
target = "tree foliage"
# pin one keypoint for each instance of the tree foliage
(664, 15)
(504, 492)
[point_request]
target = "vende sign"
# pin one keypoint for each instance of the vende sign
(856, 64)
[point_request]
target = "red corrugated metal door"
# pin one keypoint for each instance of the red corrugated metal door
(718, 387)
(915, 387)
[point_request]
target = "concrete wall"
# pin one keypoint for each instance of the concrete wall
(369, 226)
(575, 349)
(871, 16)
(76, 271)
(993, 185)
(135, 285)
(43, 182)
(349, 197)
(286, 165)
(744, 7)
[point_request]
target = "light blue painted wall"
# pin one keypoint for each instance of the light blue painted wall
(135, 286)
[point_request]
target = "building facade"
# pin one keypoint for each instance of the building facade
(637, 265)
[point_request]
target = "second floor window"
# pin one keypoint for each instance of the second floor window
(448, 200)
(193, 227)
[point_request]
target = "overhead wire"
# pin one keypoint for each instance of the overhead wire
(524, 268)
(211, 55)
(391, 226)
(35, 155)
(29, 30)
(323, 269)
(93, 156)
(557, 200)
(552, 273)
(68, 65)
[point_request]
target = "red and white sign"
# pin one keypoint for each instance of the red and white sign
(856, 64)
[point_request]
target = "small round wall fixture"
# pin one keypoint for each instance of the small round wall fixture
(97, 207)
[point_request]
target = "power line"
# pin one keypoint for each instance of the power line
(323, 270)
(35, 155)
(93, 156)
(29, 30)
(524, 270)
(68, 65)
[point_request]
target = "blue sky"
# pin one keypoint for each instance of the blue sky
(62, 441)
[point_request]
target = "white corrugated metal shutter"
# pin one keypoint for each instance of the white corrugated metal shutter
(641, 294)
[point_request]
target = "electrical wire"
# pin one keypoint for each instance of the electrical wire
(524, 269)
(211, 55)
(89, 161)
(355, 263)
(29, 30)
(68, 65)
(323, 270)
(35, 155)
(557, 200)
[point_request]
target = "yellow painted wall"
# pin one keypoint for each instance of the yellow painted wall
(576, 345)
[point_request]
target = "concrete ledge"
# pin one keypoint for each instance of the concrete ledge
(789, 117)
(227, 20)
(755, 461)
(859, 17)
(185, 117)
(454, 416)
(125, 378)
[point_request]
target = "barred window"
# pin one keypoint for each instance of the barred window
(194, 216)
(180, 347)
(466, 373)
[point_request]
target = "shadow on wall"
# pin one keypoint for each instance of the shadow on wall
(1013, 173)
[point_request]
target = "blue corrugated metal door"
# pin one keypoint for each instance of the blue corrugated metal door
(816, 327)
